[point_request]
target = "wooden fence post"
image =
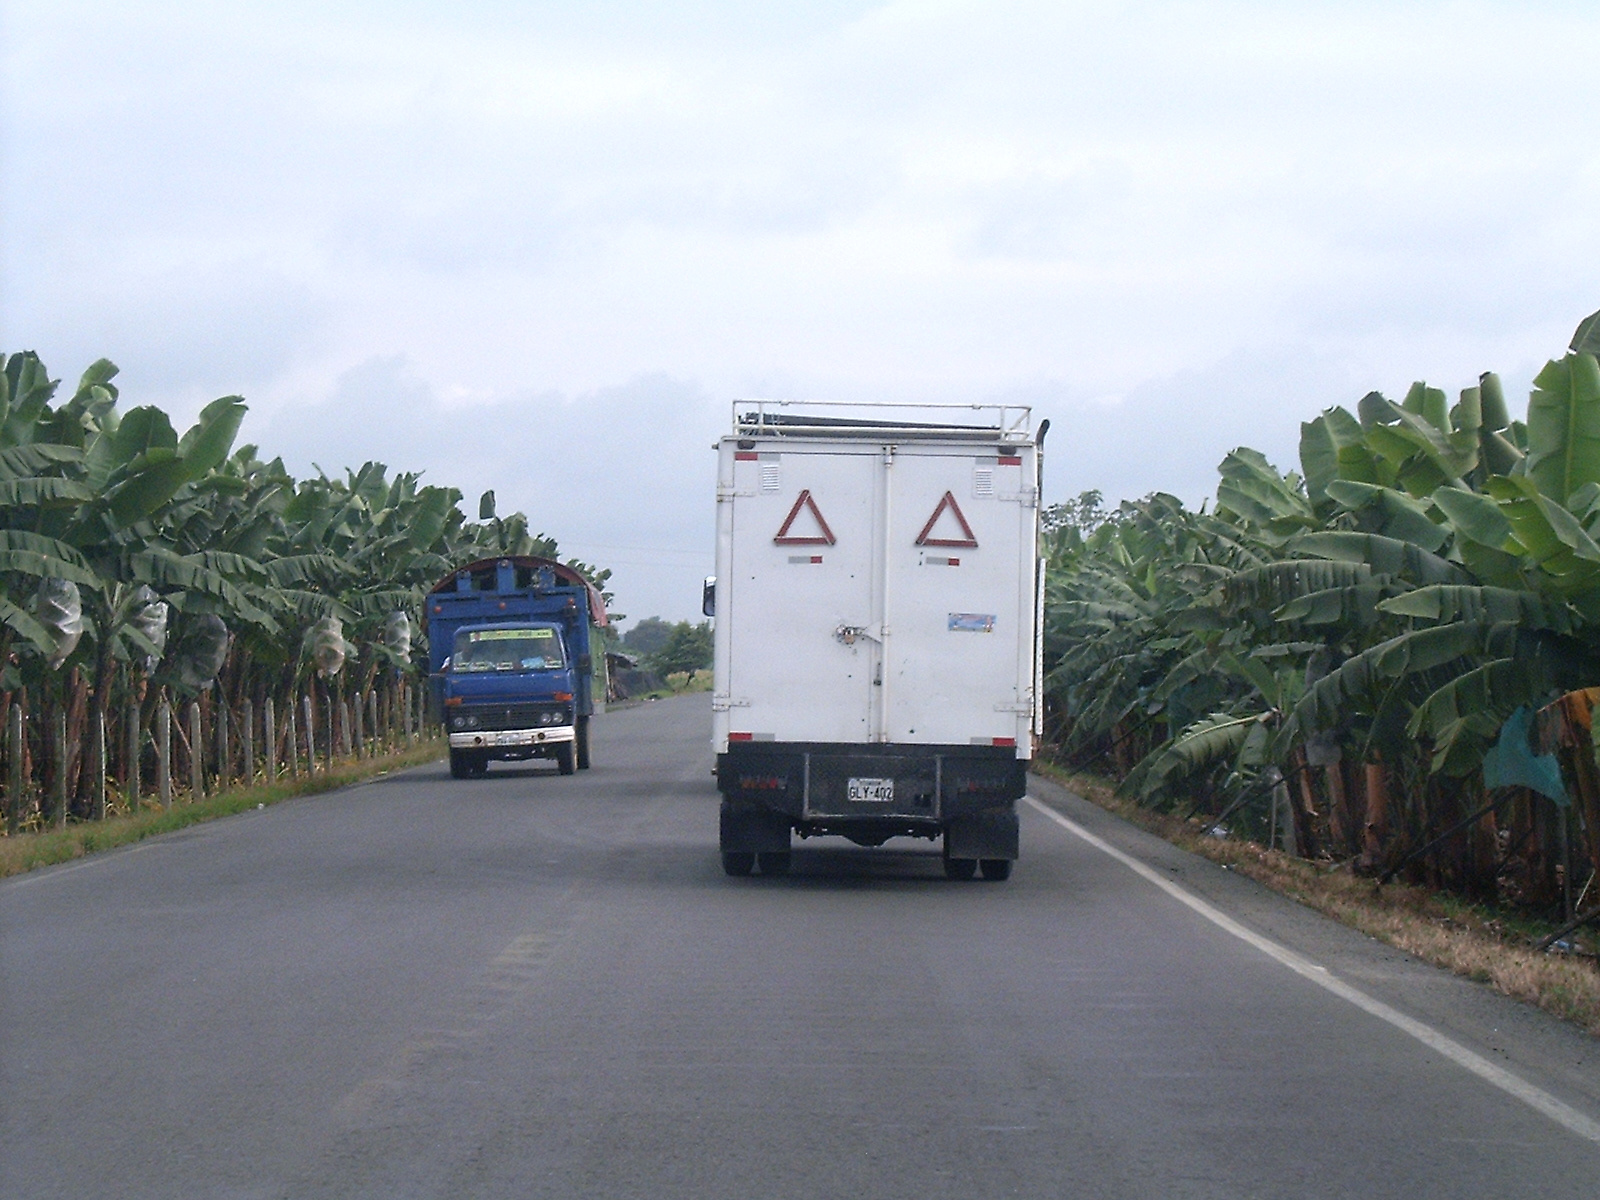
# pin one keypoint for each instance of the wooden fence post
(100, 764)
(164, 753)
(197, 758)
(372, 712)
(222, 743)
(61, 768)
(405, 693)
(1376, 826)
(270, 732)
(311, 735)
(355, 712)
(247, 718)
(135, 745)
(291, 734)
(14, 769)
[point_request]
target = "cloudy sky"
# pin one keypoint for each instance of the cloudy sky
(540, 247)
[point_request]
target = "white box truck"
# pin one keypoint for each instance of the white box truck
(877, 604)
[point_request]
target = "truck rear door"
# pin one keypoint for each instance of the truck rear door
(804, 596)
(959, 652)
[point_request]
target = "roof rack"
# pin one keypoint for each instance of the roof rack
(822, 418)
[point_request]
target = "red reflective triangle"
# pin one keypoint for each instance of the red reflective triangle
(804, 500)
(969, 542)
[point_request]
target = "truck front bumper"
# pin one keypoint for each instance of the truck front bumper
(500, 739)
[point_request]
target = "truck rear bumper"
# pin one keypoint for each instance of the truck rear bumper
(512, 739)
(870, 793)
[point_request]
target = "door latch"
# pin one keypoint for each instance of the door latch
(847, 634)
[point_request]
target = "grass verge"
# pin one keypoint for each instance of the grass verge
(29, 851)
(1468, 939)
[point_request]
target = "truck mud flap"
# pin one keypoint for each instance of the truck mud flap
(990, 833)
(752, 831)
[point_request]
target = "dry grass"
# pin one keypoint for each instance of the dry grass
(46, 847)
(1446, 931)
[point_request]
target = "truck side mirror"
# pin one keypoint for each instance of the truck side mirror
(708, 597)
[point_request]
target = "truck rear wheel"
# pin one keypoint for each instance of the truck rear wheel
(565, 757)
(997, 869)
(582, 730)
(960, 868)
(460, 764)
(738, 862)
(774, 862)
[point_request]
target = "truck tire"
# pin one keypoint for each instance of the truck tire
(460, 764)
(960, 868)
(565, 757)
(996, 869)
(582, 730)
(774, 862)
(738, 862)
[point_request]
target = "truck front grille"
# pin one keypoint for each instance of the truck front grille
(509, 716)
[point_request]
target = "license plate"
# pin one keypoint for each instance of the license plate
(871, 791)
(515, 738)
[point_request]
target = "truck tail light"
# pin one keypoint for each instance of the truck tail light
(563, 696)
(452, 701)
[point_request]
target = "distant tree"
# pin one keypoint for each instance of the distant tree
(648, 636)
(688, 648)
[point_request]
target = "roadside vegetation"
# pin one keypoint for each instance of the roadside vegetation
(664, 659)
(1384, 663)
(179, 613)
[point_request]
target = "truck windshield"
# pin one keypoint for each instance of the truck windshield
(507, 650)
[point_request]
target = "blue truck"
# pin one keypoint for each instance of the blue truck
(510, 661)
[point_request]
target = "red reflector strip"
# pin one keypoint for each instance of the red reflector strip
(751, 456)
(816, 558)
(1007, 460)
(741, 737)
(1003, 741)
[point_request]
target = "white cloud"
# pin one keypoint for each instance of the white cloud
(1179, 203)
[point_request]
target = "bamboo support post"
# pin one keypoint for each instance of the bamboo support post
(344, 728)
(164, 753)
(355, 713)
(197, 758)
(405, 695)
(372, 713)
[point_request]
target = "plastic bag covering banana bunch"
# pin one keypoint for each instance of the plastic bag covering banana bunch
(397, 635)
(58, 607)
(201, 651)
(148, 614)
(326, 645)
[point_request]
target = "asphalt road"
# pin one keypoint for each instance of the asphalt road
(534, 986)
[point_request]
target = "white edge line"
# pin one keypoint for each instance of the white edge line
(1562, 1114)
